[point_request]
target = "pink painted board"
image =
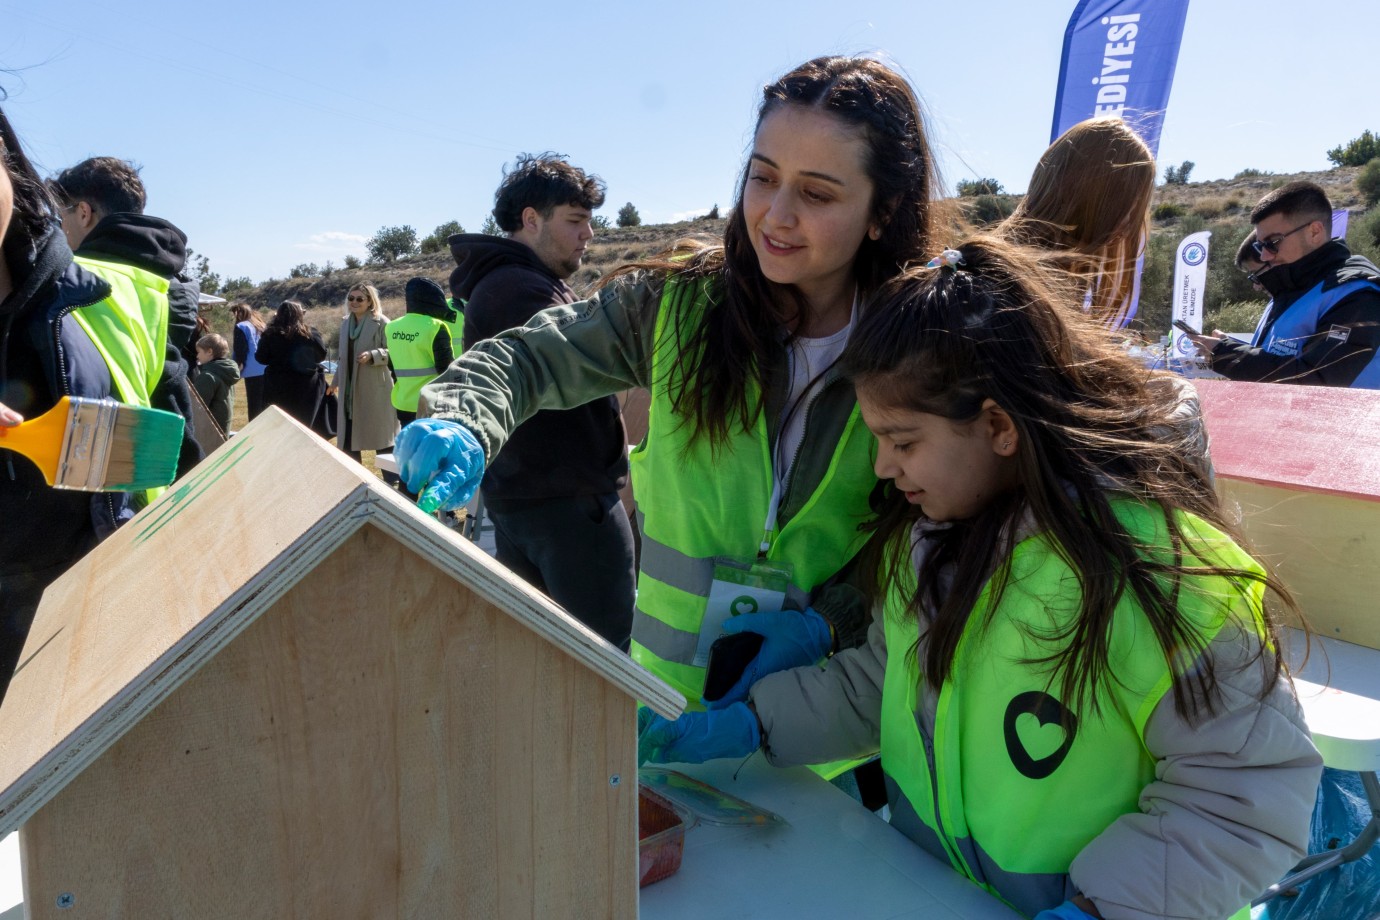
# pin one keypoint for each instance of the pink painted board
(1306, 438)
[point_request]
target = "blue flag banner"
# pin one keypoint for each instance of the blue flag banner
(1119, 60)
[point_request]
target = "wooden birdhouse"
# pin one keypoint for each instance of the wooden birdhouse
(282, 691)
(1303, 465)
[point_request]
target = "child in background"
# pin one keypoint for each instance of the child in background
(1072, 677)
(216, 377)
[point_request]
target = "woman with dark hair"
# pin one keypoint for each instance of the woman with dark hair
(62, 333)
(291, 353)
(1072, 674)
(756, 468)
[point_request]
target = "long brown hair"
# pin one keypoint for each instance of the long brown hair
(291, 321)
(718, 357)
(1090, 426)
(244, 313)
(1088, 207)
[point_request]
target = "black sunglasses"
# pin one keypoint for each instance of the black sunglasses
(1272, 245)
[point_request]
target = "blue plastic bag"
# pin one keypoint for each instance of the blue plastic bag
(1350, 891)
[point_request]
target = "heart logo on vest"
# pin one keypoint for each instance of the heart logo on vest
(1039, 732)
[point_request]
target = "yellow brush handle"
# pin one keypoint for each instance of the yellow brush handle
(40, 439)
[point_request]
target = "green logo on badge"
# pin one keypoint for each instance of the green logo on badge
(742, 604)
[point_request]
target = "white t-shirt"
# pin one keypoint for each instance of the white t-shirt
(809, 359)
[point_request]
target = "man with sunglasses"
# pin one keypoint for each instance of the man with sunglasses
(1322, 326)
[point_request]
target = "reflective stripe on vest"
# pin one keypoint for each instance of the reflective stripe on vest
(456, 329)
(130, 331)
(1010, 793)
(1306, 318)
(410, 339)
(697, 505)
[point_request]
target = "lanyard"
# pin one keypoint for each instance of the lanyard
(780, 471)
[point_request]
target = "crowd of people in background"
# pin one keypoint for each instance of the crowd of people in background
(916, 449)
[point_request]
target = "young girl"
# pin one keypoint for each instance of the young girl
(1088, 206)
(1072, 677)
(755, 472)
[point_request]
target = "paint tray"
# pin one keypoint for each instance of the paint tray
(703, 801)
(660, 838)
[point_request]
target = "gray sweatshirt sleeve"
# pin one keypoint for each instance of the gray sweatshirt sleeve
(1227, 813)
(564, 357)
(822, 714)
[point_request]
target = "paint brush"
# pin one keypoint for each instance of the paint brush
(100, 445)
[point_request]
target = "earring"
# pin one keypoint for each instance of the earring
(1006, 445)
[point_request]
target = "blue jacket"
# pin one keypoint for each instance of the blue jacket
(1321, 328)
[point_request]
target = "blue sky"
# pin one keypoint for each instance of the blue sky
(276, 133)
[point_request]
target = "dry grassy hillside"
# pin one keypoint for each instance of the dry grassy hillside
(1220, 205)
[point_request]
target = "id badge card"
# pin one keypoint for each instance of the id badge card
(740, 588)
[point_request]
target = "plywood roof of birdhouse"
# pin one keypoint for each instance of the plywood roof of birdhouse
(147, 607)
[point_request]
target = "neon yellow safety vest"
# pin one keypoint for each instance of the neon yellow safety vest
(410, 341)
(130, 330)
(696, 505)
(1011, 794)
(456, 329)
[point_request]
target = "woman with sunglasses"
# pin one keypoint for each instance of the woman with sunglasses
(363, 386)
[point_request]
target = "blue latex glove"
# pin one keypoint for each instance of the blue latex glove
(1066, 911)
(698, 736)
(793, 638)
(440, 462)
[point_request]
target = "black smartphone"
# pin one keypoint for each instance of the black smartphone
(1185, 327)
(729, 657)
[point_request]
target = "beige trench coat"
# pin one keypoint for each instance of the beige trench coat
(369, 388)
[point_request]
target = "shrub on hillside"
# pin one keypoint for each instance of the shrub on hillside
(990, 209)
(392, 243)
(628, 216)
(304, 270)
(1364, 234)
(437, 240)
(1208, 208)
(490, 227)
(1168, 210)
(1368, 182)
(972, 188)
(233, 285)
(598, 222)
(1356, 152)
(1178, 175)
(1252, 174)
(1234, 316)
(352, 262)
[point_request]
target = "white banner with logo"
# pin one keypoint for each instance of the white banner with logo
(1190, 279)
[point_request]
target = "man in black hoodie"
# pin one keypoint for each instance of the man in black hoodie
(1322, 326)
(101, 203)
(552, 492)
